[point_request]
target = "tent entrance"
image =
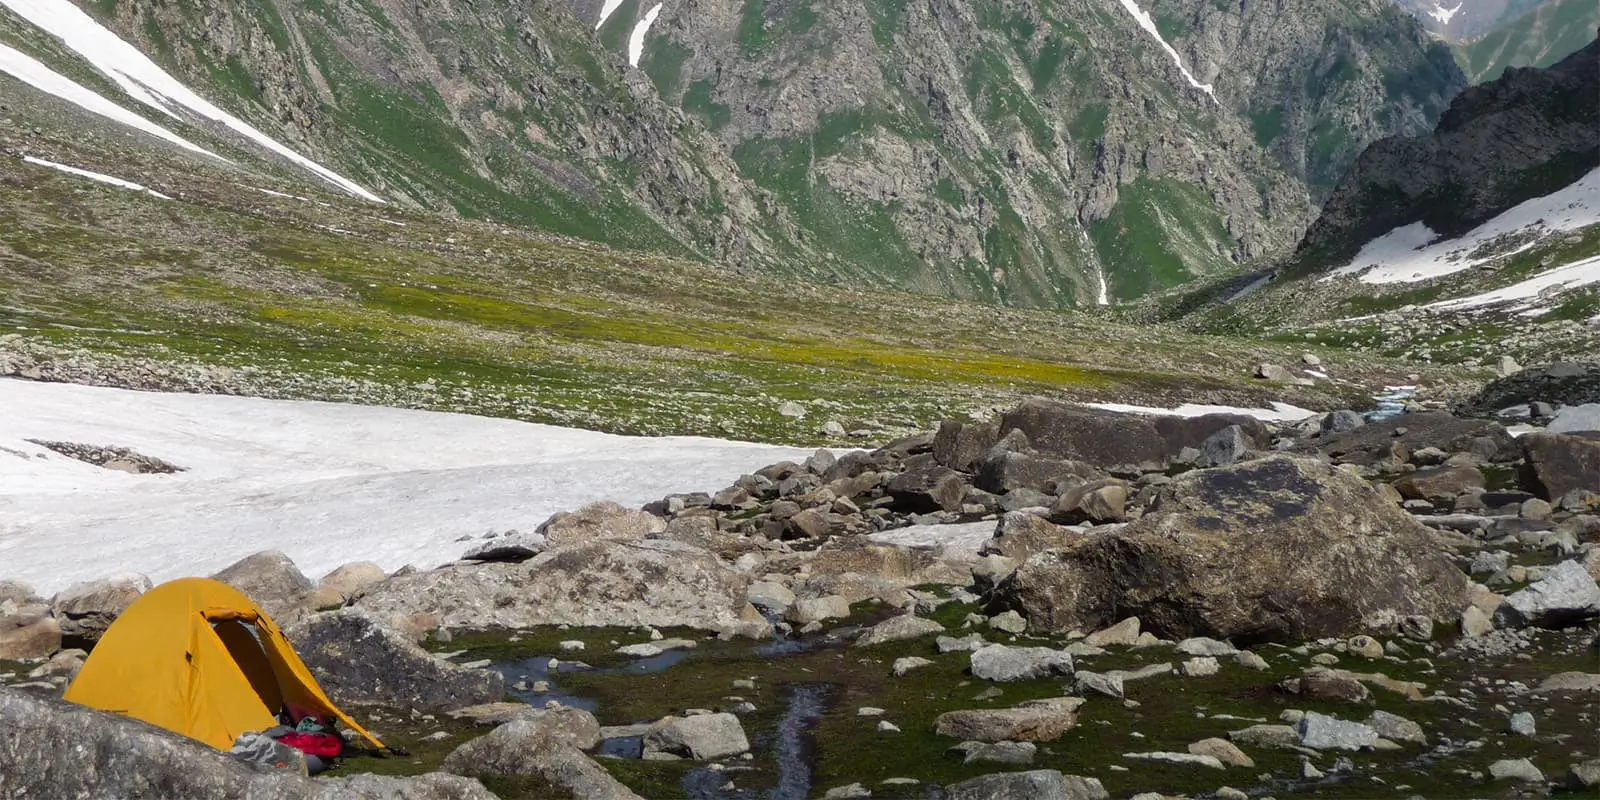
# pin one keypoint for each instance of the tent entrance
(243, 642)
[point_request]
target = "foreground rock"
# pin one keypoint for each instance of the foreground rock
(1277, 549)
(358, 661)
(655, 583)
(544, 743)
(1033, 721)
(1039, 784)
(53, 749)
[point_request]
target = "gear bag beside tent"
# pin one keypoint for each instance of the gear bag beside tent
(197, 657)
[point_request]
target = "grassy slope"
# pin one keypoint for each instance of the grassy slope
(1539, 38)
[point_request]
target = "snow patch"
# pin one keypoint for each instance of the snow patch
(1443, 15)
(30, 71)
(326, 483)
(606, 11)
(146, 82)
(1149, 24)
(1413, 252)
(1532, 291)
(95, 176)
(1104, 298)
(636, 39)
(1254, 287)
(1279, 412)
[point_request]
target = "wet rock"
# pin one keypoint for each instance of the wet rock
(544, 743)
(1396, 728)
(998, 662)
(1519, 769)
(898, 629)
(85, 610)
(702, 737)
(655, 648)
(606, 582)
(1223, 751)
(1277, 549)
(1039, 784)
(1033, 721)
(69, 751)
(770, 596)
(1322, 732)
(360, 662)
(272, 580)
(1249, 660)
(1556, 464)
(996, 752)
(1184, 759)
(1566, 595)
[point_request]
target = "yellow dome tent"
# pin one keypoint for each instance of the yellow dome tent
(197, 657)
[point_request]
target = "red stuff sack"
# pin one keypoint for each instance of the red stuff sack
(321, 745)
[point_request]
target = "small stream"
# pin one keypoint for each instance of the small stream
(1392, 403)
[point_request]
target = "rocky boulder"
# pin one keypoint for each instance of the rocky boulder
(1033, 721)
(1564, 383)
(1022, 535)
(1038, 784)
(961, 445)
(548, 744)
(359, 661)
(927, 486)
(272, 580)
(1375, 442)
(1565, 596)
(602, 520)
(1555, 464)
(998, 662)
(85, 610)
(898, 629)
(1107, 439)
(27, 631)
(352, 579)
(1440, 485)
(1097, 502)
(703, 737)
(51, 748)
(1277, 549)
(606, 582)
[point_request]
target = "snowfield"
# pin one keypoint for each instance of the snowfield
(1410, 253)
(325, 483)
(1279, 412)
(94, 176)
(640, 30)
(148, 83)
(1528, 294)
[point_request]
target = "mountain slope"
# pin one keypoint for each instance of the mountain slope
(1045, 153)
(1462, 20)
(1539, 38)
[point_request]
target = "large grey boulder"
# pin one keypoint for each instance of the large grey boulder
(85, 610)
(1561, 383)
(1566, 595)
(602, 520)
(927, 486)
(1223, 448)
(1555, 464)
(1106, 439)
(703, 737)
(53, 749)
(1005, 472)
(1375, 442)
(1576, 419)
(1039, 784)
(1020, 535)
(606, 582)
(1275, 549)
(359, 661)
(545, 743)
(1032, 721)
(272, 581)
(998, 662)
(1322, 732)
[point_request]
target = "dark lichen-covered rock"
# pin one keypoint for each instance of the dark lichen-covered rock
(1375, 442)
(927, 486)
(1277, 549)
(357, 660)
(1555, 464)
(961, 445)
(1109, 440)
(51, 748)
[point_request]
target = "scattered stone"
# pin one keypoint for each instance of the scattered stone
(817, 609)
(702, 737)
(1440, 485)
(1570, 682)
(1033, 721)
(1474, 622)
(1009, 622)
(907, 664)
(1230, 793)
(1279, 736)
(885, 726)
(953, 644)
(1250, 660)
(1328, 686)
(653, 649)
(489, 715)
(1202, 646)
(1584, 774)
(547, 743)
(1322, 732)
(1203, 667)
(1365, 646)
(791, 409)
(1110, 685)
(1566, 595)
(1396, 728)
(1179, 758)
(1342, 422)
(1124, 633)
(1522, 724)
(996, 752)
(1222, 750)
(898, 629)
(1032, 785)
(1519, 769)
(997, 662)
(869, 711)
(854, 790)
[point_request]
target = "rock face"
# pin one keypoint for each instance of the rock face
(599, 583)
(1033, 721)
(545, 743)
(1276, 549)
(50, 748)
(85, 610)
(358, 661)
(1556, 464)
(272, 580)
(1566, 595)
